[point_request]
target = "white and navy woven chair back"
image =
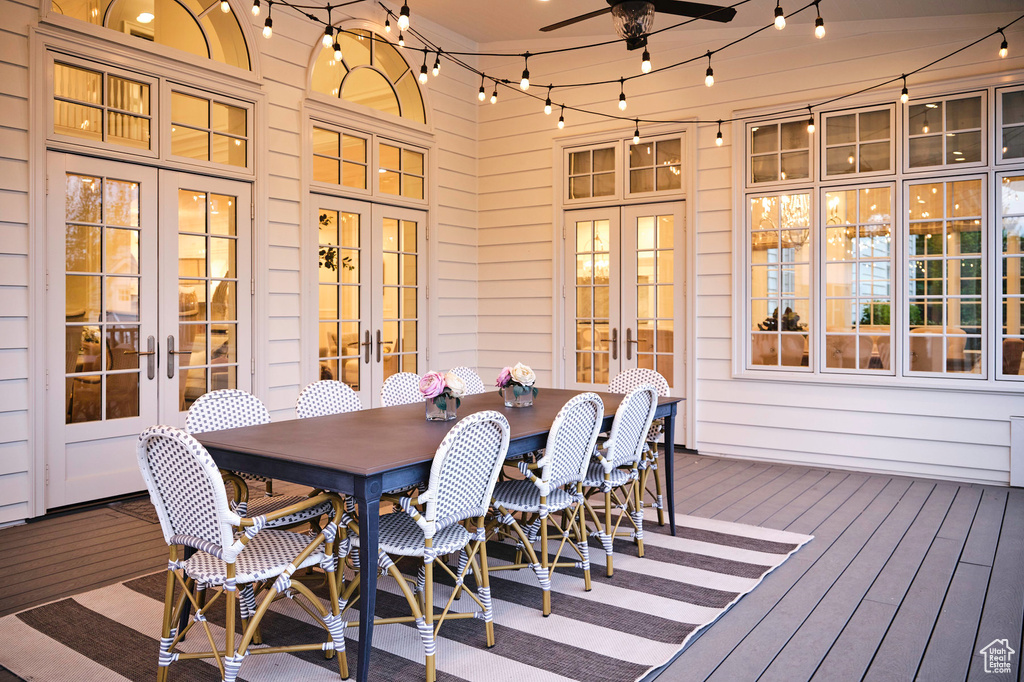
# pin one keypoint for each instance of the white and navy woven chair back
(228, 408)
(466, 467)
(631, 424)
(572, 439)
(327, 397)
(401, 389)
(185, 486)
(627, 380)
(474, 384)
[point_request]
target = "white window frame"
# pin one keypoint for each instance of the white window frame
(329, 187)
(375, 169)
(223, 169)
(769, 185)
(617, 172)
(857, 143)
(955, 168)
(155, 111)
(894, 303)
(997, 253)
(998, 133)
(655, 194)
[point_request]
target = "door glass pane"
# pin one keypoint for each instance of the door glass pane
(102, 364)
(401, 277)
(339, 310)
(1012, 286)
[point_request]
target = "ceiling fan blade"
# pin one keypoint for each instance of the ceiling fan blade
(695, 9)
(582, 17)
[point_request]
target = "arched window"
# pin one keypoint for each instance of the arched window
(371, 73)
(195, 26)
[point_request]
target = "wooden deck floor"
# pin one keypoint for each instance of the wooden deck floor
(906, 578)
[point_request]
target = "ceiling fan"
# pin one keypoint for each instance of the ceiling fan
(634, 18)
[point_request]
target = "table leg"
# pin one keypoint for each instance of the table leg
(369, 526)
(670, 472)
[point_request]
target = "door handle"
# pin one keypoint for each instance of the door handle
(170, 356)
(629, 341)
(150, 354)
(380, 344)
(367, 344)
(615, 343)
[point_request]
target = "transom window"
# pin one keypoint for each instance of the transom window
(339, 158)
(655, 166)
(209, 130)
(370, 73)
(199, 27)
(779, 152)
(858, 142)
(101, 107)
(592, 173)
(400, 171)
(945, 132)
(1011, 125)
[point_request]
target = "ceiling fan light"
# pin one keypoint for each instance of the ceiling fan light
(633, 19)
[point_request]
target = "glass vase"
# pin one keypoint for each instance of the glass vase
(436, 413)
(524, 399)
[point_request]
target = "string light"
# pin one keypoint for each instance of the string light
(780, 16)
(636, 132)
(225, 7)
(494, 95)
(718, 137)
(810, 121)
(403, 17)
(337, 52)
(437, 64)
(561, 118)
(268, 25)
(387, 25)
(547, 103)
(255, 8)
(401, 39)
(645, 63)
(328, 38)
(622, 94)
(819, 24)
(1003, 47)
(482, 95)
(423, 69)
(524, 83)
(904, 94)
(709, 78)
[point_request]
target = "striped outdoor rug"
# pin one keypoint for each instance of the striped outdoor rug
(625, 627)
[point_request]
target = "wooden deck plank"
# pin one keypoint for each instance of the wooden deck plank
(753, 488)
(980, 547)
(1001, 617)
(951, 647)
(851, 654)
(810, 484)
(763, 644)
(804, 651)
(694, 501)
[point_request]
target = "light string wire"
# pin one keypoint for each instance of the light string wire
(455, 57)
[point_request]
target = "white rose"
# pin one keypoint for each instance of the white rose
(522, 374)
(456, 384)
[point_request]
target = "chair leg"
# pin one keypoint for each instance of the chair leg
(166, 634)
(483, 589)
(608, 539)
(638, 516)
(428, 616)
(583, 546)
(545, 558)
(657, 488)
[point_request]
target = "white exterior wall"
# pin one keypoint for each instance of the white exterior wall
(929, 432)
(284, 363)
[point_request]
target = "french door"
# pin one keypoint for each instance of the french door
(371, 292)
(148, 306)
(623, 293)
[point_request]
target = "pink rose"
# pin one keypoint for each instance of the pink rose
(504, 377)
(432, 384)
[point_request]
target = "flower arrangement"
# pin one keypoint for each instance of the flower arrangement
(442, 391)
(516, 385)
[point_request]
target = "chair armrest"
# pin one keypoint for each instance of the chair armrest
(307, 503)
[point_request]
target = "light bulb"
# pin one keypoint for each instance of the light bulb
(481, 95)
(780, 16)
(547, 106)
(645, 64)
(337, 52)
(636, 135)
(622, 101)
(437, 65)
(401, 39)
(328, 39)
(387, 26)
(718, 139)
(494, 95)
(904, 95)
(268, 28)
(819, 28)
(709, 79)
(255, 8)
(524, 84)
(924, 128)
(810, 124)
(1003, 49)
(403, 17)
(423, 73)
(561, 122)
(224, 6)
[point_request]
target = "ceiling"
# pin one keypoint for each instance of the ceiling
(489, 21)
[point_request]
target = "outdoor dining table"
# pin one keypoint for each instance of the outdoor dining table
(365, 453)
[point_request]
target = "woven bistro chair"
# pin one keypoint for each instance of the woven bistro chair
(232, 552)
(624, 382)
(322, 398)
(558, 488)
(231, 408)
(474, 384)
(614, 473)
(401, 389)
(425, 527)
